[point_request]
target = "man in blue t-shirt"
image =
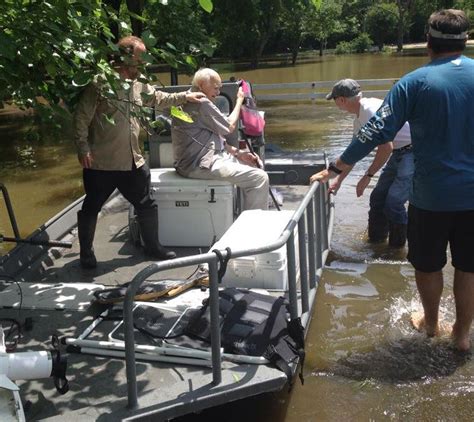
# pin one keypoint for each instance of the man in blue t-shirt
(438, 102)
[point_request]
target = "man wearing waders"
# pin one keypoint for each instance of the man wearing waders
(437, 101)
(387, 213)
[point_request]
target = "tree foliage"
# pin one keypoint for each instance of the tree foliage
(382, 20)
(324, 22)
(294, 24)
(51, 49)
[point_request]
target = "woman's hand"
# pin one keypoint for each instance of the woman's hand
(240, 94)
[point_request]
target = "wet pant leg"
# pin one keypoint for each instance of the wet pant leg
(398, 192)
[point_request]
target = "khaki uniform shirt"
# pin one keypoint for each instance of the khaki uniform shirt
(194, 143)
(108, 129)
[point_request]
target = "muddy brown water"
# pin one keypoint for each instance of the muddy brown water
(364, 362)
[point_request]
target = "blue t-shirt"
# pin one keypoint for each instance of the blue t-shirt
(438, 102)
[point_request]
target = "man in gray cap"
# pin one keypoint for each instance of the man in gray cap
(387, 213)
(437, 101)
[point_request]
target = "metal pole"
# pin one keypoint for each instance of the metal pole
(215, 326)
(290, 247)
(324, 216)
(131, 370)
(303, 264)
(317, 198)
(311, 243)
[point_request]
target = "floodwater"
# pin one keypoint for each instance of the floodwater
(364, 362)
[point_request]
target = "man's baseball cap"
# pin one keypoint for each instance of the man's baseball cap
(344, 88)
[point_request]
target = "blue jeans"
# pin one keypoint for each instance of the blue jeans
(387, 200)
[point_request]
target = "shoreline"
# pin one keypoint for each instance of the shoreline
(10, 113)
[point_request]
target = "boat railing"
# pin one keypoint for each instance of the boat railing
(313, 219)
(314, 90)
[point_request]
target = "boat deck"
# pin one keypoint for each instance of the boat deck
(98, 385)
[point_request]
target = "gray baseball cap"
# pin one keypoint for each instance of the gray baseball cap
(344, 88)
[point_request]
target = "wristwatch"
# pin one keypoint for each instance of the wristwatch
(332, 167)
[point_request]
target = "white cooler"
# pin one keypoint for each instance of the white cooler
(191, 212)
(255, 228)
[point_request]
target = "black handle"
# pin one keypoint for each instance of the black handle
(50, 243)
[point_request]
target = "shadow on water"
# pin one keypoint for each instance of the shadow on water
(403, 360)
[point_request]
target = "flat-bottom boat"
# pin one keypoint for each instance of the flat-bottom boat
(116, 371)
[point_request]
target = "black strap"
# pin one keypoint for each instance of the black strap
(222, 262)
(59, 366)
(281, 355)
(296, 331)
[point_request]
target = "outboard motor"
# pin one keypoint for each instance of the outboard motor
(28, 366)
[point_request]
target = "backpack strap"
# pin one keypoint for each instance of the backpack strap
(296, 332)
(281, 355)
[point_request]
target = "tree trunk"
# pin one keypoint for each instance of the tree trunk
(294, 55)
(136, 6)
(295, 48)
(259, 51)
(401, 31)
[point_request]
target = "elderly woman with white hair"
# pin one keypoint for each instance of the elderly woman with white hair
(201, 151)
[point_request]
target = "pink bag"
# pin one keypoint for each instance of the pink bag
(252, 121)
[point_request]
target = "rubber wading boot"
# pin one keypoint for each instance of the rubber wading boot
(86, 230)
(378, 228)
(148, 223)
(398, 235)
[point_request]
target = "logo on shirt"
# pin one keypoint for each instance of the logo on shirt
(374, 125)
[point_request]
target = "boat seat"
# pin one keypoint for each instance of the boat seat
(191, 212)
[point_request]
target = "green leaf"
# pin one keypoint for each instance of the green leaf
(81, 54)
(191, 61)
(181, 115)
(7, 47)
(157, 124)
(51, 69)
(110, 119)
(81, 78)
(137, 17)
(149, 39)
(124, 26)
(208, 49)
(206, 5)
(169, 58)
(317, 4)
(147, 58)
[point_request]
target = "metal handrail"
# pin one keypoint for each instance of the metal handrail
(313, 203)
(314, 87)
